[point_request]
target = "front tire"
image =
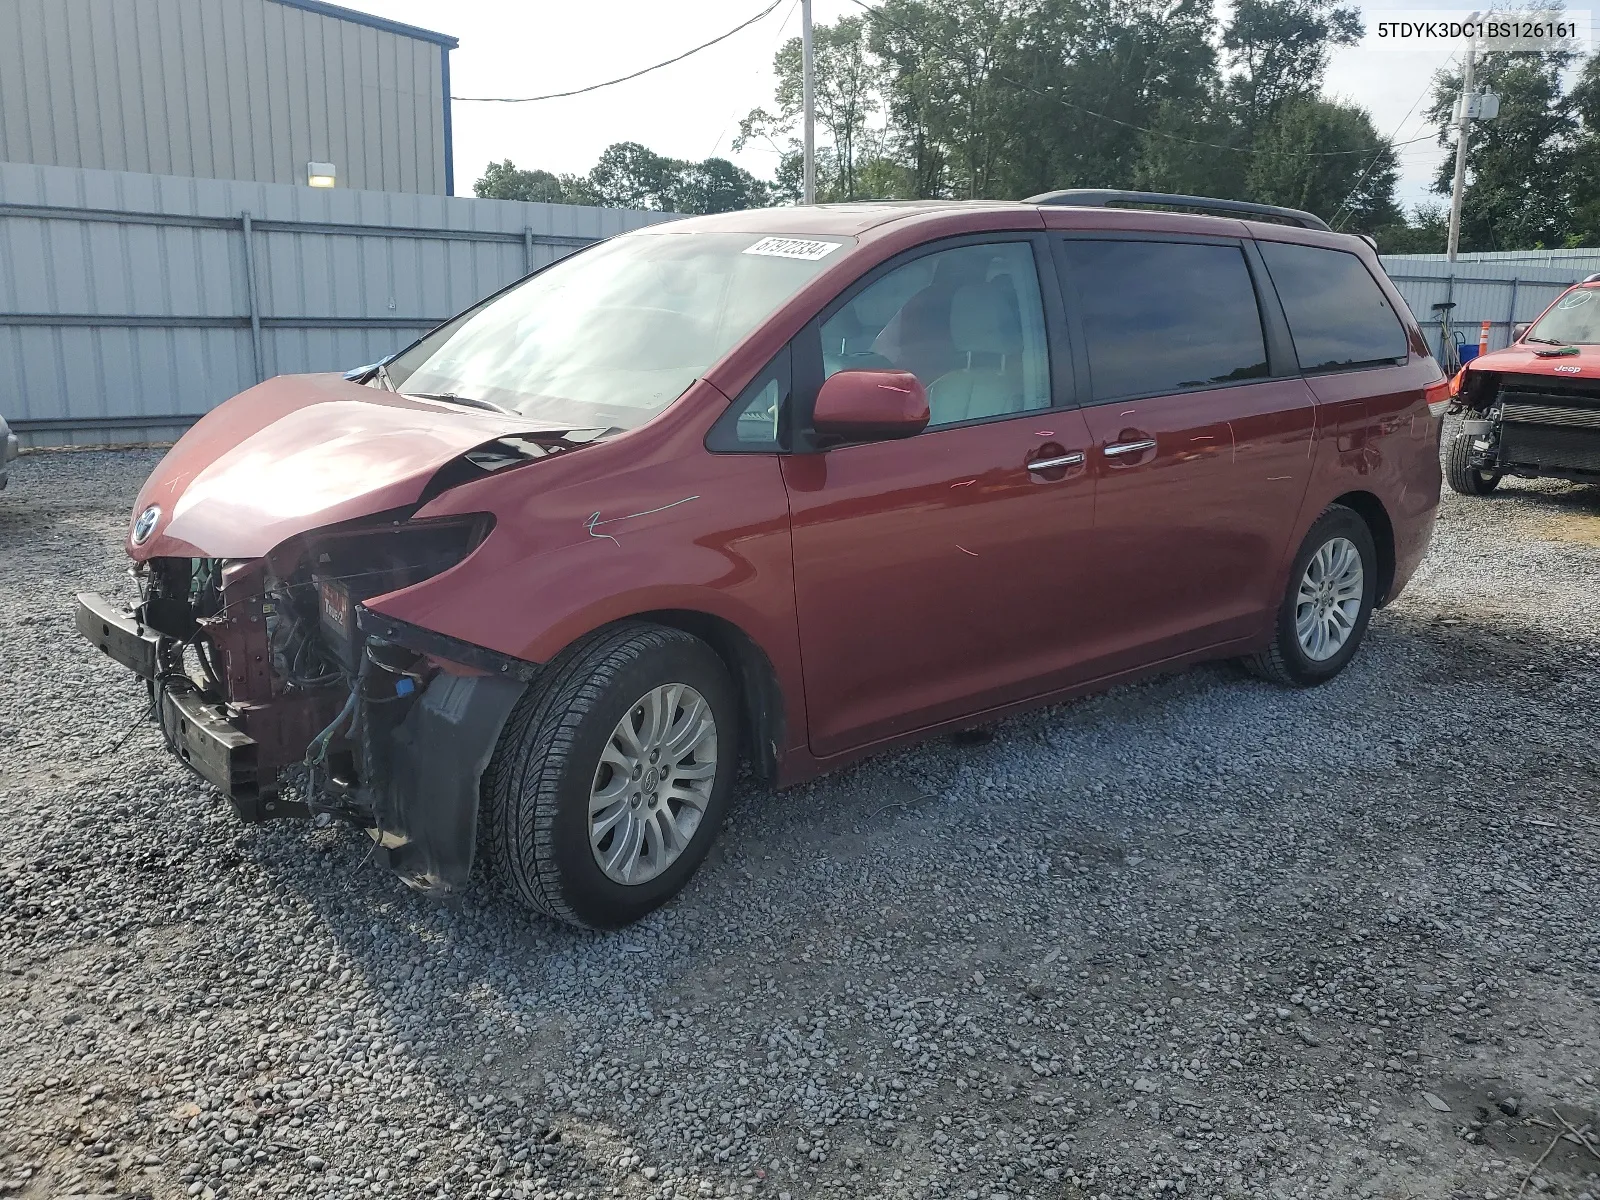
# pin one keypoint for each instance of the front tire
(1461, 475)
(611, 777)
(1327, 605)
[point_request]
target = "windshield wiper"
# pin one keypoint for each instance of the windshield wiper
(1546, 341)
(466, 401)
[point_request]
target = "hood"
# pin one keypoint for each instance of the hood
(1521, 358)
(299, 452)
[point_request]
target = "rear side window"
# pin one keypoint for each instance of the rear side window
(1338, 315)
(1161, 317)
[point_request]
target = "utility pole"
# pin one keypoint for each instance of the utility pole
(808, 73)
(1463, 123)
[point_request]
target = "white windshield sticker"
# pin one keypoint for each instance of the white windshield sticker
(803, 248)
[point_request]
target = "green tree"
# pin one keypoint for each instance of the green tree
(946, 58)
(912, 97)
(1005, 98)
(1583, 181)
(1279, 50)
(1425, 232)
(1520, 165)
(506, 181)
(1316, 155)
(1194, 149)
(847, 95)
(629, 175)
(1089, 76)
(716, 185)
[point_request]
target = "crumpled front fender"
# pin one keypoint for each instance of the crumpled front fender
(425, 798)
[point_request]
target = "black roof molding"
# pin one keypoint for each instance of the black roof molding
(1107, 197)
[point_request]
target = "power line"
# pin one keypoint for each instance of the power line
(782, 25)
(1379, 153)
(877, 15)
(595, 87)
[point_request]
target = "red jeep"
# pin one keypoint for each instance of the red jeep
(787, 486)
(1533, 409)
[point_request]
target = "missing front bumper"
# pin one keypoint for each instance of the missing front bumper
(203, 738)
(420, 768)
(199, 733)
(118, 634)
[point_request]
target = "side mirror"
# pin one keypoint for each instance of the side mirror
(866, 405)
(1520, 328)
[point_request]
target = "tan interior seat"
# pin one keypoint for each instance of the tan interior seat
(986, 333)
(917, 339)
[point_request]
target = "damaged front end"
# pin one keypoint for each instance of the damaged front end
(1531, 425)
(271, 679)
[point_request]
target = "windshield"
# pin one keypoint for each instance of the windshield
(609, 337)
(1575, 320)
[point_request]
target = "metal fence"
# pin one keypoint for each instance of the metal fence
(132, 304)
(1502, 289)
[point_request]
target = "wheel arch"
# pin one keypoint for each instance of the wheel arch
(1371, 510)
(761, 702)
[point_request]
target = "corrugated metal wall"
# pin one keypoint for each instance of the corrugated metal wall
(219, 89)
(126, 305)
(1583, 260)
(125, 300)
(1503, 291)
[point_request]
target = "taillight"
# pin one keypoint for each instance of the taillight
(1439, 395)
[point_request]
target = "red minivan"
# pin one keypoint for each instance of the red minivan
(786, 487)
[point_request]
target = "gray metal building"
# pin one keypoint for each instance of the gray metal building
(131, 304)
(226, 89)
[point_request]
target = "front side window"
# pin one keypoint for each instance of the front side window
(1162, 317)
(754, 422)
(1338, 315)
(609, 337)
(968, 322)
(1574, 320)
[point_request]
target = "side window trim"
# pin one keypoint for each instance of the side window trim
(1068, 369)
(1276, 359)
(1282, 361)
(1083, 385)
(806, 371)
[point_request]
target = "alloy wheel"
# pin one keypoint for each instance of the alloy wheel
(1329, 601)
(653, 783)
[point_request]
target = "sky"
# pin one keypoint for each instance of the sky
(692, 109)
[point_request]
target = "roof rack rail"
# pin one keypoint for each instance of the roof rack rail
(1105, 197)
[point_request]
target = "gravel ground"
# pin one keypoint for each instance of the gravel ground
(1198, 936)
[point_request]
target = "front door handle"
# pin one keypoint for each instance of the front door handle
(1061, 460)
(1117, 449)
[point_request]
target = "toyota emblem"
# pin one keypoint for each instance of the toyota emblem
(145, 525)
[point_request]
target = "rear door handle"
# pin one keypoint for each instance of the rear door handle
(1061, 460)
(1117, 449)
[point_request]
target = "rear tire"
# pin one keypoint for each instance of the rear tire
(1329, 599)
(548, 832)
(1459, 472)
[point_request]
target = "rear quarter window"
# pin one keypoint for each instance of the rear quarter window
(1338, 315)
